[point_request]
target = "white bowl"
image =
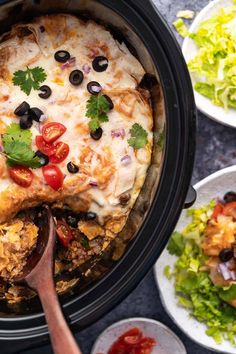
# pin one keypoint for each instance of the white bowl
(216, 185)
(190, 49)
(168, 342)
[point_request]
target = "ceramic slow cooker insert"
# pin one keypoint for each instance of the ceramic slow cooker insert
(155, 214)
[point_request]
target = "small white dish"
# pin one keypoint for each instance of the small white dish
(190, 49)
(168, 342)
(216, 185)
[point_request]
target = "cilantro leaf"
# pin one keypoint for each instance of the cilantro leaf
(29, 79)
(17, 147)
(85, 243)
(97, 109)
(176, 244)
(14, 132)
(139, 136)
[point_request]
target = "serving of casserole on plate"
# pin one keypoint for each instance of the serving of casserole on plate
(76, 133)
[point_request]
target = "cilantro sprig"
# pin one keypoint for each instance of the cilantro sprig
(97, 109)
(17, 147)
(139, 136)
(29, 79)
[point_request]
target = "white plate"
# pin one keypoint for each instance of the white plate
(168, 342)
(190, 49)
(216, 185)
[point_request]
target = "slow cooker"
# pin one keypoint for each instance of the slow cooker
(154, 217)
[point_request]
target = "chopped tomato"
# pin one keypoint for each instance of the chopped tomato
(61, 152)
(21, 175)
(133, 336)
(230, 209)
(64, 233)
(52, 131)
(217, 211)
(53, 176)
(46, 148)
(132, 342)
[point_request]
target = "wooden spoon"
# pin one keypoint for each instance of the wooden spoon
(38, 274)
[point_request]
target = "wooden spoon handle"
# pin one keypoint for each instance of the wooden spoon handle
(61, 336)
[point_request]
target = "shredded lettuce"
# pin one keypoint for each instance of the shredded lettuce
(194, 289)
(214, 65)
(181, 28)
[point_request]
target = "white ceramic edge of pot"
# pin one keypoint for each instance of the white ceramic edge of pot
(204, 105)
(196, 187)
(138, 319)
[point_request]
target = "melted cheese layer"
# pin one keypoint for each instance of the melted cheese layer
(100, 162)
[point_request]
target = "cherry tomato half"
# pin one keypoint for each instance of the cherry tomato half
(61, 152)
(64, 233)
(53, 176)
(230, 209)
(21, 175)
(44, 147)
(52, 131)
(217, 211)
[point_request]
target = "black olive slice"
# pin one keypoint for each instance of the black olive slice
(94, 87)
(76, 77)
(26, 122)
(46, 91)
(111, 105)
(89, 216)
(100, 64)
(226, 255)
(148, 82)
(35, 113)
(72, 221)
(72, 168)
(44, 159)
(62, 56)
(230, 197)
(22, 109)
(97, 134)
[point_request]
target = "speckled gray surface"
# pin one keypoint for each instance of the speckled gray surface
(216, 148)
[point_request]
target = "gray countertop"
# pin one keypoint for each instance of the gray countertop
(216, 149)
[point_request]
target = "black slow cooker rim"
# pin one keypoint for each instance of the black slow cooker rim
(177, 170)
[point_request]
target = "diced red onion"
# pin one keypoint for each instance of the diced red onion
(69, 63)
(1, 148)
(224, 271)
(126, 160)
(233, 275)
(96, 88)
(93, 53)
(86, 68)
(42, 118)
(93, 183)
(116, 133)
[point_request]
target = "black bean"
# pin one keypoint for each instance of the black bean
(44, 159)
(76, 77)
(72, 168)
(35, 113)
(22, 109)
(72, 221)
(230, 197)
(109, 100)
(26, 122)
(100, 64)
(89, 216)
(94, 87)
(62, 56)
(42, 29)
(97, 134)
(226, 254)
(46, 91)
